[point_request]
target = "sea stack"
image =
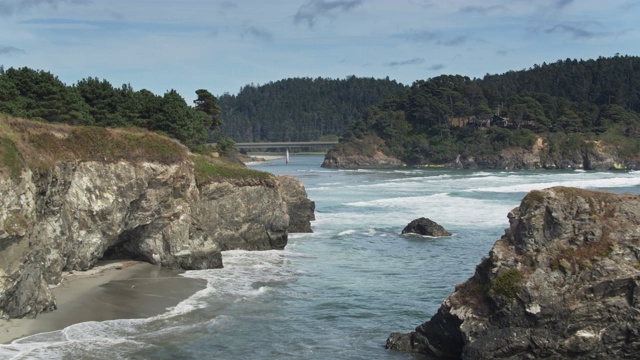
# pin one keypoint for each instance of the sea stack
(562, 282)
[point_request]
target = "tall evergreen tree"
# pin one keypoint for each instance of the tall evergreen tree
(208, 104)
(42, 95)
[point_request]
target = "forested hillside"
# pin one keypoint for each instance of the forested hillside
(565, 103)
(432, 122)
(300, 109)
(37, 94)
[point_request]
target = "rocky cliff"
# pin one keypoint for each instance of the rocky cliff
(360, 153)
(71, 196)
(561, 283)
(594, 155)
(301, 210)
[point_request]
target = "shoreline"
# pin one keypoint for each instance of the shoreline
(263, 158)
(257, 159)
(109, 291)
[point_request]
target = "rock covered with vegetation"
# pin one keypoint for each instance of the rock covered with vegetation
(424, 226)
(363, 153)
(566, 115)
(561, 283)
(74, 195)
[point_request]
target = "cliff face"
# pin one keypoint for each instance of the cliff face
(301, 210)
(593, 157)
(562, 282)
(360, 153)
(596, 156)
(73, 213)
(241, 217)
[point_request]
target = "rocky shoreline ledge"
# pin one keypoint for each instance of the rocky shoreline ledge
(595, 155)
(563, 282)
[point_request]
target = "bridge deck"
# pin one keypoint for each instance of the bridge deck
(287, 144)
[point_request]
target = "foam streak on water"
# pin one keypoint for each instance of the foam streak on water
(339, 292)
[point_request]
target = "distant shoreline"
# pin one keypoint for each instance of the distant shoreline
(256, 159)
(260, 158)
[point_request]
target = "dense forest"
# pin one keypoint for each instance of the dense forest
(300, 109)
(432, 121)
(37, 94)
(567, 101)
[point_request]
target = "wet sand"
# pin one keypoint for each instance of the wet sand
(257, 159)
(111, 290)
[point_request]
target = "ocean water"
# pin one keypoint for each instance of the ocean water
(339, 292)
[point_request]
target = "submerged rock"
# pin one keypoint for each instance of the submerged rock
(563, 282)
(424, 226)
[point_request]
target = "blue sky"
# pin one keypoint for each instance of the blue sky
(223, 45)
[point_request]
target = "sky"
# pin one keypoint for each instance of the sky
(222, 46)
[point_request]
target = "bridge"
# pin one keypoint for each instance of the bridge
(285, 145)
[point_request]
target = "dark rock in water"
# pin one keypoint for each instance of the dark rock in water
(299, 207)
(200, 260)
(563, 282)
(424, 226)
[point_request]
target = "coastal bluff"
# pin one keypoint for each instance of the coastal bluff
(72, 196)
(562, 282)
(369, 152)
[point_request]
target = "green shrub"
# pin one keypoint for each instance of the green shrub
(11, 158)
(507, 284)
(102, 144)
(207, 171)
(204, 149)
(225, 145)
(534, 196)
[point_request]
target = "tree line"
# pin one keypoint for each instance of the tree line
(432, 119)
(566, 101)
(38, 94)
(300, 109)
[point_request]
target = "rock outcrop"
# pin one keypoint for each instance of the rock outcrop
(361, 153)
(594, 155)
(561, 283)
(426, 227)
(65, 215)
(301, 210)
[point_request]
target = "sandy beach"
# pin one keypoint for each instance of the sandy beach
(260, 158)
(111, 290)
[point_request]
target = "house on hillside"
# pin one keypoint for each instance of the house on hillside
(461, 121)
(483, 121)
(504, 122)
(479, 121)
